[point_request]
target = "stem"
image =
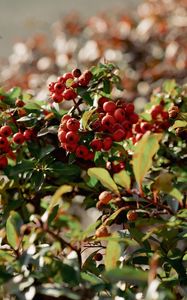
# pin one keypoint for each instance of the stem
(65, 243)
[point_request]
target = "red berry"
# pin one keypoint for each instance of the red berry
(62, 136)
(126, 125)
(145, 127)
(133, 118)
(102, 100)
(72, 137)
(118, 135)
(3, 162)
(3, 142)
(18, 138)
(51, 87)
(76, 73)
(19, 103)
(28, 134)
(165, 115)
(105, 197)
(137, 128)
(65, 118)
(129, 108)
(67, 76)
(116, 168)
(96, 125)
(57, 98)
(109, 107)
(73, 124)
(108, 122)
(96, 145)
(156, 111)
(87, 75)
(107, 144)
(132, 215)
(69, 94)
(5, 131)
(70, 147)
(119, 114)
(98, 257)
(59, 87)
(90, 155)
(82, 151)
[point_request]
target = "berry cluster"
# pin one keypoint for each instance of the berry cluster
(112, 122)
(65, 86)
(7, 141)
(159, 123)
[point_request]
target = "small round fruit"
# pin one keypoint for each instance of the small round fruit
(59, 87)
(109, 106)
(18, 138)
(5, 131)
(72, 137)
(3, 142)
(102, 100)
(119, 115)
(133, 118)
(19, 103)
(3, 162)
(96, 144)
(82, 151)
(118, 135)
(73, 124)
(28, 134)
(76, 73)
(108, 121)
(57, 98)
(105, 197)
(132, 215)
(98, 257)
(173, 111)
(102, 231)
(107, 143)
(129, 108)
(62, 136)
(69, 94)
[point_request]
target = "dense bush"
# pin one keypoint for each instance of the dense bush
(127, 169)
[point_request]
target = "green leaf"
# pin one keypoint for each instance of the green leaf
(179, 124)
(163, 183)
(123, 179)
(113, 252)
(13, 225)
(104, 177)
(169, 86)
(4, 275)
(176, 194)
(23, 166)
(128, 274)
(15, 92)
(86, 116)
(56, 197)
(85, 95)
(145, 149)
(92, 278)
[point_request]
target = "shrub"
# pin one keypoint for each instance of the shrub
(129, 167)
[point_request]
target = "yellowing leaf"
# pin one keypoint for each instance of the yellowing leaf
(163, 183)
(176, 194)
(123, 179)
(86, 116)
(145, 149)
(56, 197)
(178, 124)
(113, 252)
(104, 177)
(13, 225)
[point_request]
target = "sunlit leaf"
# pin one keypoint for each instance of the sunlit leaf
(13, 225)
(145, 149)
(104, 177)
(123, 179)
(113, 252)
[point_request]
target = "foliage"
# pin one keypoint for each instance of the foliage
(57, 164)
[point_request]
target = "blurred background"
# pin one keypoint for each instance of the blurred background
(21, 18)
